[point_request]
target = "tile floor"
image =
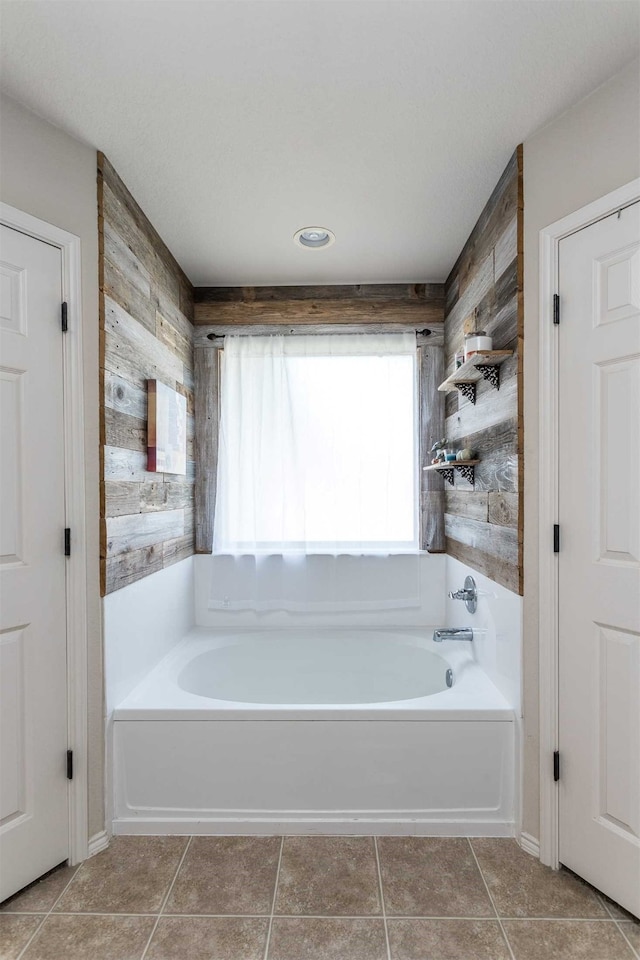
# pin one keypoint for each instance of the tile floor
(313, 898)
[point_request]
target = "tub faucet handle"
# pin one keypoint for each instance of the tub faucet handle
(461, 594)
(468, 593)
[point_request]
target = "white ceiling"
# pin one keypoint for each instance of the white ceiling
(236, 123)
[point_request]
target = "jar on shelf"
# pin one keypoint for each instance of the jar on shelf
(475, 342)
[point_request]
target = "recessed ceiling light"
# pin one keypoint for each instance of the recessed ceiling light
(314, 237)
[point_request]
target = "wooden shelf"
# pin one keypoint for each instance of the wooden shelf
(465, 467)
(451, 463)
(484, 365)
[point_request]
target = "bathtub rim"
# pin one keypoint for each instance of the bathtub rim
(158, 696)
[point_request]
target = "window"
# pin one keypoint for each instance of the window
(318, 445)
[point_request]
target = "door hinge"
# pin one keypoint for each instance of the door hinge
(556, 538)
(64, 321)
(556, 309)
(556, 765)
(67, 541)
(69, 764)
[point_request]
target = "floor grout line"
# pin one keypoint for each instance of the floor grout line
(384, 910)
(603, 902)
(486, 886)
(30, 940)
(166, 898)
(49, 912)
(273, 902)
(618, 924)
(563, 919)
(313, 916)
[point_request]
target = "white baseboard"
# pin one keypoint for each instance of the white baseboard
(530, 845)
(98, 842)
(268, 826)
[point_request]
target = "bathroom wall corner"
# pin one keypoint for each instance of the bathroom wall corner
(142, 623)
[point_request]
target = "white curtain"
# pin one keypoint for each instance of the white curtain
(317, 456)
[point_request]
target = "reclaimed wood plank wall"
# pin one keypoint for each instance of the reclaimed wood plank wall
(484, 523)
(411, 303)
(146, 332)
(317, 309)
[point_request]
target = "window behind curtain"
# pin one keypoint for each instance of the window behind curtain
(318, 445)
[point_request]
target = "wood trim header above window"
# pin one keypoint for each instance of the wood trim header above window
(403, 292)
(417, 304)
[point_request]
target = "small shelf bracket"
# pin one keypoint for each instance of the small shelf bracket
(468, 391)
(491, 373)
(447, 474)
(467, 473)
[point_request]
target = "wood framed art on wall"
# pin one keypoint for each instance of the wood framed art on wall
(166, 429)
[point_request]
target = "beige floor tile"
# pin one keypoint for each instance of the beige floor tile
(15, 932)
(41, 895)
(431, 877)
(131, 876)
(209, 938)
(522, 887)
(227, 875)
(631, 929)
(90, 938)
(447, 940)
(566, 940)
(324, 939)
(332, 876)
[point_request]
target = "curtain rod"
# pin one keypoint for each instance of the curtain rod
(211, 335)
(300, 331)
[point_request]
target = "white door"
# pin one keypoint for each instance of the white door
(599, 560)
(34, 832)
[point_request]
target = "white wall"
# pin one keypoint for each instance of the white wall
(50, 175)
(497, 646)
(497, 625)
(588, 151)
(431, 609)
(142, 622)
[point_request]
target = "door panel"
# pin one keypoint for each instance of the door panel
(619, 671)
(617, 400)
(11, 477)
(13, 782)
(599, 562)
(33, 693)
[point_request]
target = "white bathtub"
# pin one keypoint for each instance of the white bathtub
(315, 731)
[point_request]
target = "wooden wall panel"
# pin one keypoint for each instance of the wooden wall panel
(367, 292)
(483, 523)
(146, 331)
(320, 311)
(431, 373)
(207, 421)
(413, 304)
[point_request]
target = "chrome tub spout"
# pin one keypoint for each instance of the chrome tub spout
(452, 633)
